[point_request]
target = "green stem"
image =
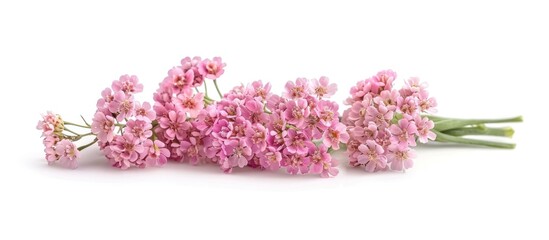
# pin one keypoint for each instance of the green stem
(481, 130)
(442, 137)
(217, 88)
(71, 131)
(87, 145)
(206, 90)
(74, 124)
(83, 119)
(447, 124)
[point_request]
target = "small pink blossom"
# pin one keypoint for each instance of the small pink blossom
(401, 157)
(327, 112)
(139, 128)
(180, 81)
(123, 105)
(424, 126)
(103, 127)
(68, 153)
(192, 148)
(174, 125)
(191, 104)
(372, 156)
(128, 84)
(408, 105)
(192, 65)
(296, 112)
(211, 69)
(322, 162)
(126, 150)
(296, 90)
(256, 138)
(106, 98)
(404, 132)
(144, 111)
(237, 153)
(296, 142)
(270, 159)
(381, 115)
(363, 133)
(156, 151)
(254, 111)
(50, 123)
(259, 91)
(384, 79)
(337, 133)
(295, 163)
(321, 88)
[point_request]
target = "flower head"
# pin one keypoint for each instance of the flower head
(211, 69)
(67, 153)
(321, 88)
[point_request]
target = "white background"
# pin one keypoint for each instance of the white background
(481, 59)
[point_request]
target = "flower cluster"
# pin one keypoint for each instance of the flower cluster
(251, 127)
(384, 123)
(248, 126)
(304, 126)
(59, 147)
(176, 106)
(134, 144)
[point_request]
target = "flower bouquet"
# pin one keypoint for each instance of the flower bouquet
(249, 126)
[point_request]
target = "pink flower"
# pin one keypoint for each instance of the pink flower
(144, 111)
(385, 79)
(157, 154)
(206, 119)
(296, 112)
(191, 104)
(103, 127)
(335, 134)
(106, 98)
(259, 91)
(270, 159)
(327, 112)
(237, 153)
(192, 148)
(322, 162)
(51, 155)
(415, 86)
(295, 163)
(364, 133)
(211, 69)
(179, 80)
(254, 112)
(408, 105)
(256, 138)
(321, 88)
(123, 105)
(128, 84)
(188, 64)
(372, 156)
(312, 126)
(296, 142)
(68, 153)
(50, 123)
(126, 150)
(401, 157)
(381, 115)
(388, 98)
(139, 128)
(403, 133)
(174, 125)
(424, 127)
(296, 90)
